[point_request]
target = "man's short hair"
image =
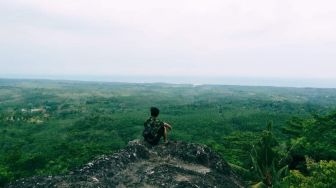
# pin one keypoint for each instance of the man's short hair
(154, 111)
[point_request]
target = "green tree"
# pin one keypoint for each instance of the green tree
(321, 174)
(265, 160)
(5, 175)
(315, 137)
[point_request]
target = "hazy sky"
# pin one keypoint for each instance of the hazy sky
(264, 38)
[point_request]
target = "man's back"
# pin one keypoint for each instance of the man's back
(155, 128)
(153, 124)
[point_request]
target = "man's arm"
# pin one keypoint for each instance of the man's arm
(167, 125)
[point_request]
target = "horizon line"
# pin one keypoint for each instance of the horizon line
(329, 83)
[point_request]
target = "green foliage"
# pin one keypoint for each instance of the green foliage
(322, 146)
(234, 146)
(315, 137)
(5, 175)
(322, 174)
(51, 127)
(244, 173)
(265, 160)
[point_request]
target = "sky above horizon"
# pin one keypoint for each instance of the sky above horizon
(239, 38)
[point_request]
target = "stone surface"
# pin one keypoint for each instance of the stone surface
(176, 164)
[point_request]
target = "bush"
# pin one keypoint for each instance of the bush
(321, 174)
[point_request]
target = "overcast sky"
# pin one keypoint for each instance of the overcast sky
(240, 38)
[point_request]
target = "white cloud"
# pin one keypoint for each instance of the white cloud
(186, 37)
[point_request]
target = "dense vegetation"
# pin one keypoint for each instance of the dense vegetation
(51, 127)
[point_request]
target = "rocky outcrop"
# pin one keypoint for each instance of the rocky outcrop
(176, 164)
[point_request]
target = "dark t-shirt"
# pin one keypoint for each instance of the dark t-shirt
(154, 130)
(154, 125)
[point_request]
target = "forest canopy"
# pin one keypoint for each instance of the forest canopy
(52, 127)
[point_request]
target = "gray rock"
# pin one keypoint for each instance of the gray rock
(176, 164)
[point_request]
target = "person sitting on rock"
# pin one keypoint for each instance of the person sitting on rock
(155, 128)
